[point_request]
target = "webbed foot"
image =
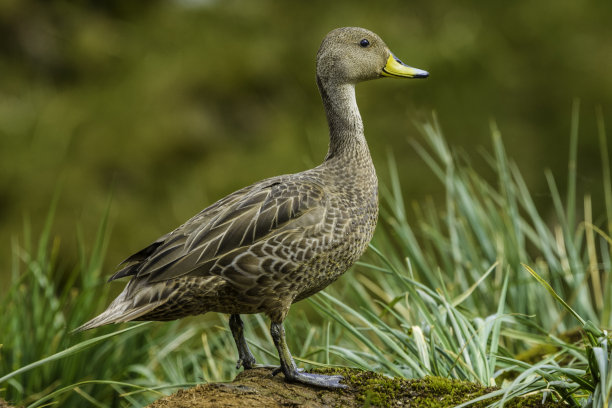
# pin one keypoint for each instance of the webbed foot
(289, 369)
(318, 380)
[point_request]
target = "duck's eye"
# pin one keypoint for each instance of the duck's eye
(364, 43)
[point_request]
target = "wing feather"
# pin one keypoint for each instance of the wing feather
(232, 224)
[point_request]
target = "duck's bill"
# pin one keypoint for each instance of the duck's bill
(397, 69)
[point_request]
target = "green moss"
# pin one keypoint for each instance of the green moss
(376, 390)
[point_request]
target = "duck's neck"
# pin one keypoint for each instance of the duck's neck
(346, 138)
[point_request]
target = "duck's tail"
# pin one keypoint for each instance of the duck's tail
(124, 308)
(141, 300)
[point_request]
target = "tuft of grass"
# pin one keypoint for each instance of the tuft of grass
(42, 361)
(446, 293)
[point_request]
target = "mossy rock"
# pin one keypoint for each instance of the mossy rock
(259, 388)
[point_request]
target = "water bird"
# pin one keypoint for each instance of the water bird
(282, 239)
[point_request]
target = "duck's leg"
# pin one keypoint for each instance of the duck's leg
(245, 357)
(289, 369)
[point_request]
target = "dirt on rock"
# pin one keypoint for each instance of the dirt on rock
(4, 404)
(259, 388)
(253, 388)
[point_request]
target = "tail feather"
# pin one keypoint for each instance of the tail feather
(140, 298)
(119, 311)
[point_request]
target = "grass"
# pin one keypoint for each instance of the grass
(484, 289)
(42, 361)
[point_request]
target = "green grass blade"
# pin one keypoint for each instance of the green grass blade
(554, 294)
(68, 352)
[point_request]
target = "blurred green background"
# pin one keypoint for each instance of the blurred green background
(169, 106)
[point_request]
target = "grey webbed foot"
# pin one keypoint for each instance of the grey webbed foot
(319, 380)
(289, 369)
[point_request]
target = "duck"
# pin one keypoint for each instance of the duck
(279, 240)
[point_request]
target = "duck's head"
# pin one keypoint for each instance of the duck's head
(354, 54)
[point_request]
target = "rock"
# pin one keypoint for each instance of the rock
(254, 388)
(259, 388)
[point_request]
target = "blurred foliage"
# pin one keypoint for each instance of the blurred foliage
(169, 106)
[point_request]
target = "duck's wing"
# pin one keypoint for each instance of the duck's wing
(262, 211)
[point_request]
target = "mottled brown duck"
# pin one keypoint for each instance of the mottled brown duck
(278, 241)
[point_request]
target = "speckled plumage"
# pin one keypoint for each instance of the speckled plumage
(277, 241)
